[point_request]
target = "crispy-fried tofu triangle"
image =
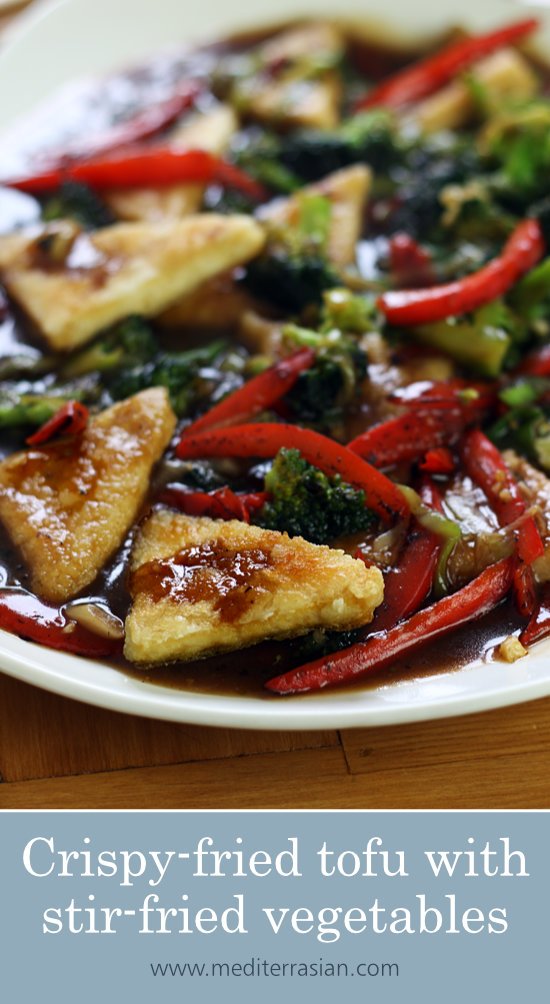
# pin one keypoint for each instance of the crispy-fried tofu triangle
(301, 88)
(201, 586)
(347, 191)
(210, 131)
(68, 505)
(128, 268)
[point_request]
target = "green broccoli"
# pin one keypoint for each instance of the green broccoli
(128, 344)
(27, 404)
(294, 271)
(518, 143)
(290, 281)
(370, 138)
(305, 502)
(320, 642)
(77, 202)
(178, 372)
(323, 391)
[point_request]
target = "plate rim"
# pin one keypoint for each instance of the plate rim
(35, 665)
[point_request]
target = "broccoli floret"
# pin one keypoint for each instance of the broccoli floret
(77, 202)
(347, 312)
(178, 372)
(322, 392)
(294, 271)
(27, 404)
(430, 167)
(259, 154)
(129, 344)
(305, 502)
(319, 643)
(517, 142)
(291, 281)
(370, 138)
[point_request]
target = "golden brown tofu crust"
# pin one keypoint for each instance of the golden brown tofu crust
(68, 505)
(210, 131)
(127, 268)
(201, 586)
(347, 191)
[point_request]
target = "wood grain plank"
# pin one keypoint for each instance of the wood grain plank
(42, 735)
(309, 779)
(271, 780)
(522, 729)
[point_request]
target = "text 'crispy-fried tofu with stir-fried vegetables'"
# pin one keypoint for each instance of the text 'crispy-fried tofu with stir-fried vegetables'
(275, 359)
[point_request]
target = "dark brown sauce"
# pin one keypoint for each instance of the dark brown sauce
(88, 109)
(244, 673)
(211, 572)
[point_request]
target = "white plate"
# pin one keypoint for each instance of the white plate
(60, 39)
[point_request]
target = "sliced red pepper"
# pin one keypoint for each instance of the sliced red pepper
(24, 615)
(428, 75)
(522, 251)
(408, 437)
(220, 504)
(539, 625)
(486, 466)
(145, 167)
(436, 416)
(266, 439)
(468, 604)
(70, 420)
(525, 590)
(146, 124)
(410, 263)
(537, 363)
(438, 461)
(258, 394)
(408, 584)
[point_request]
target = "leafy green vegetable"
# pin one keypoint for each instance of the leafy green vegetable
(305, 502)
(322, 392)
(25, 404)
(480, 342)
(77, 202)
(371, 138)
(178, 372)
(518, 141)
(128, 344)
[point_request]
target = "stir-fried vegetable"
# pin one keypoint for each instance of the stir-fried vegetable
(364, 365)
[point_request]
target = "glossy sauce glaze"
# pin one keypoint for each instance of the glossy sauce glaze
(203, 572)
(209, 572)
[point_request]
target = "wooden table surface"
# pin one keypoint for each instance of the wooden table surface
(56, 753)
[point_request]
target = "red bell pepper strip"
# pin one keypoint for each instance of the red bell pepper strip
(428, 75)
(411, 307)
(408, 437)
(380, 650)
(438, 461)
(26, 616)
(410, 582)
(486, 466)
(70, 420)
(145, 167)
(525, 590)
(265, 439)
(536, 363)
(258, 394)
(146, 124)
(539, 625)
(410, 263)
(220, 504)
